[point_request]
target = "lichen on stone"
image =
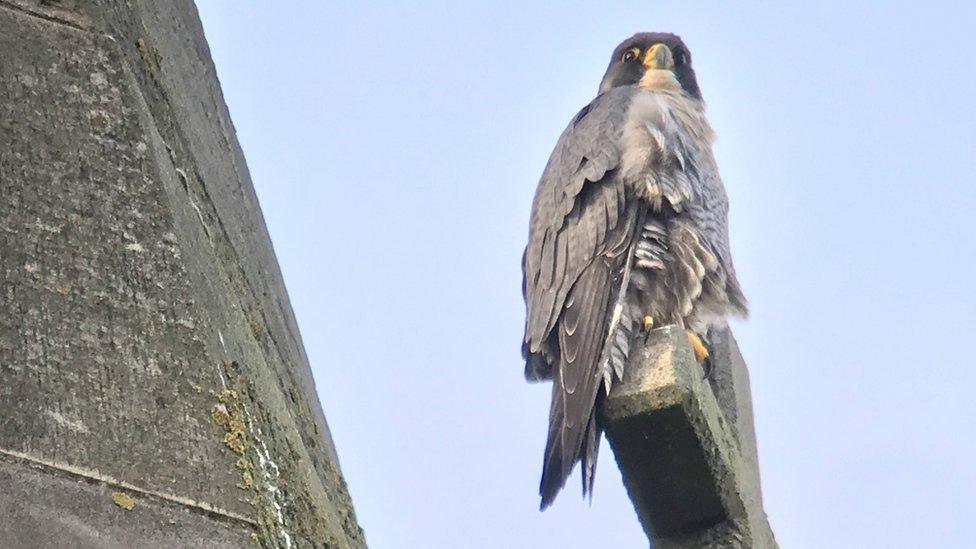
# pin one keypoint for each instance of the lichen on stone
(150, 56)
(229, 418)
(124, 500)
(227, 396)
(234, 439)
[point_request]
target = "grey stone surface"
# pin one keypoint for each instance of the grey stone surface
(686, 446)
(146, 339)
(48, 507)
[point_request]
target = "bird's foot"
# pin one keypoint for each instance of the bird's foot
(701, 354)
(697, 345)
(647, 323)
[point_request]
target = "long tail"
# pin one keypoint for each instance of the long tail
(568, 444)
(577, 381)
(594, 338)
(594, 330)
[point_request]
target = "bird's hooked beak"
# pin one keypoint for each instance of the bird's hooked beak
(658, 57)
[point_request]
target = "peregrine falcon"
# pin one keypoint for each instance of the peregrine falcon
(628, 232)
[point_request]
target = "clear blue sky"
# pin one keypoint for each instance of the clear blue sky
(395, 150)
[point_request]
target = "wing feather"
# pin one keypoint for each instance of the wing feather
(577, 383)
(582, 217)
(586, 155)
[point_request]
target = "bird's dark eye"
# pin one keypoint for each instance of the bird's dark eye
(630, 54)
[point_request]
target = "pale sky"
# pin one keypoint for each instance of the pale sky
(395, 150)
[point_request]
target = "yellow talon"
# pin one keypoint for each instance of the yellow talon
(701, 352)
(648, 322)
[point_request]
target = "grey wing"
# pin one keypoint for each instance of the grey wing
(579, 203)
(583, 226)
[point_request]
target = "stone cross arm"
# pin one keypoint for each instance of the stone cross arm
(686, 445)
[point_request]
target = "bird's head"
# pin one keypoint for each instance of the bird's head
(653, 60)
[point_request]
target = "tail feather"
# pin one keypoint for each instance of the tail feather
(560, 456)
(554, 472)
(577, 381)
(591, 447)
(594, 331)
